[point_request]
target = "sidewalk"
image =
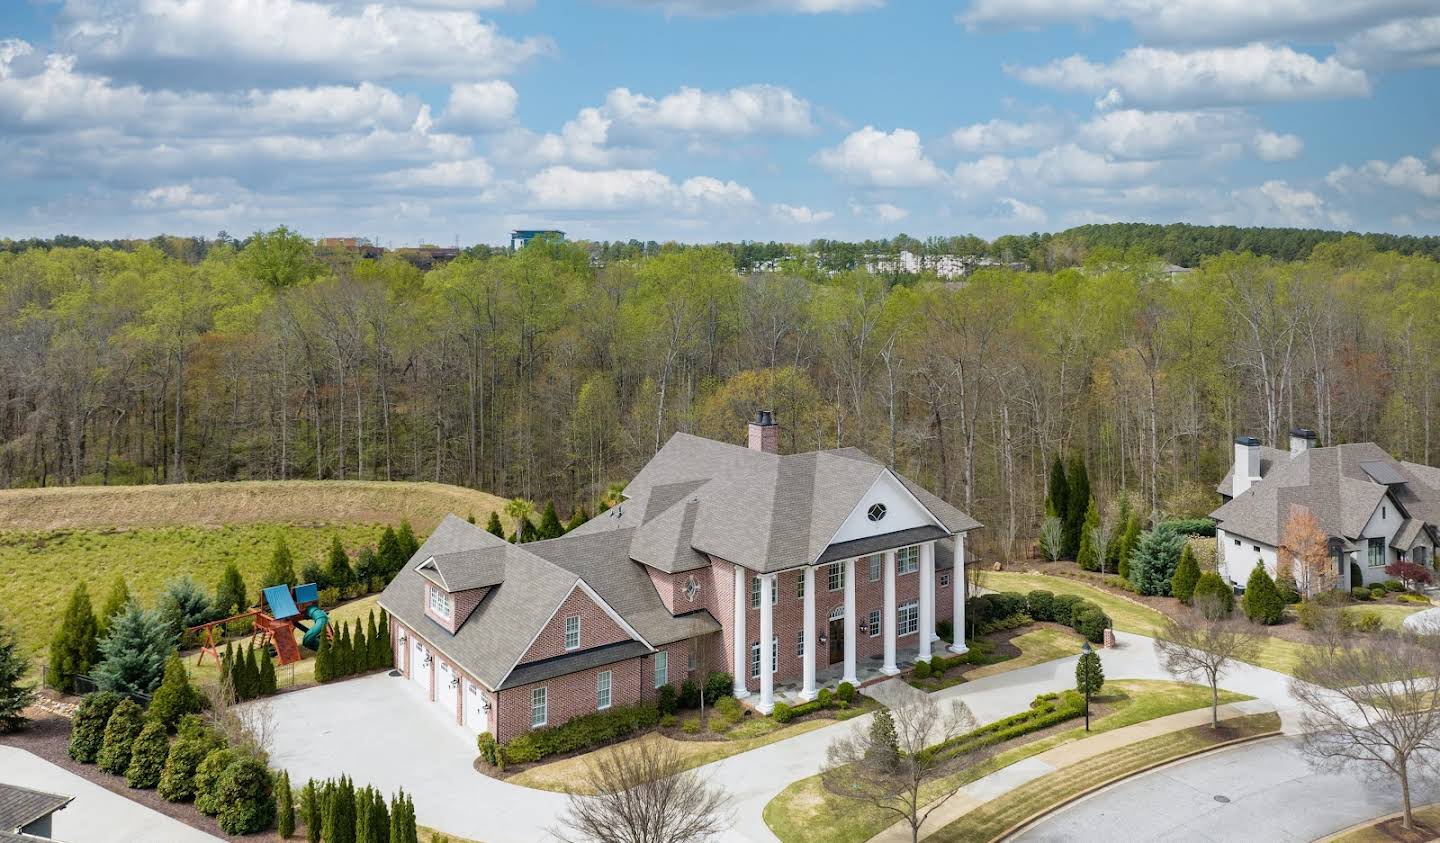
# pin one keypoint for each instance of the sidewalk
(1003, 781)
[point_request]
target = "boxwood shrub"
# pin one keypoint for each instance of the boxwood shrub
(1045, 710)
(582, 732)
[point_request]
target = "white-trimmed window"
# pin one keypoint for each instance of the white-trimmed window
(907, 559)
(944, 580)
(835, 576)
(662, 668)
(572, 632)
(907, 618)
(755, 657)
(875, 562)
(755, 593)
(800, 586)
(602, 690)
(800, 644)
(539, 708)
(441, 604)
(874, 622)
(1377, 553)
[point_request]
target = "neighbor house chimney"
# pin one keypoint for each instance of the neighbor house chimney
(1247, 465)
(1301, 439)
(764, 433)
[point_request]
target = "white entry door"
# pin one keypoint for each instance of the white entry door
(446, 688)
(419, 670)
(475, 714)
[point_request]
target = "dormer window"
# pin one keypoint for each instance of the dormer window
(442, 605)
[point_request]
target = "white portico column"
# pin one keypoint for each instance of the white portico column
(889, 612)
(767, 644)
(807, 691)
(742, 646)
(850, 623)
(958, 586)
(927, 599)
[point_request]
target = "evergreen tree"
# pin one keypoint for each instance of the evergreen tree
(267, 685)
(339, 820)
(114, 602)
(314, 572)
(337, 567)
(246, 797)
(184, 604)
(379, 820)
(147, 756)
(124, 727)
(1213, 596)
(1076, 501)
(15, 692)
(550, 523)
(344, 652)
(1128, 543)
(375, 653)
(368, 568)
(311, 811)
(284, 805)
(75, 645)
(402, 820)
(409, 545)
(1057, 502)
(883, 741)
(528, 532)
(1114, 552)
(252, 674)
(1089, 556)
(1089, 672)
(87, 729)
(175, 697)
(230, 595)
(493, 526)
(385, 646)
(359, 649)
(391, 557)
(1187, 574)
(362, 813)
(580, 517)
(1263, 602)
(325, 660)
(132, 656)
(192, 744)
(1154, 560)
(282, 565)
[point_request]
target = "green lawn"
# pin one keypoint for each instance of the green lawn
(806, 811)
(41, 568)
(1392, 615)
(989, 821)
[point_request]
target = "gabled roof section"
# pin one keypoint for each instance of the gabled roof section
(21, 806)
(480, 567)
(1269, 458)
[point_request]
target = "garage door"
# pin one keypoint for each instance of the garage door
(447, 688)
(419, 666)
(475, 713)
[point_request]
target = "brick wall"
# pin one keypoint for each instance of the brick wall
(572, 695)
(597, 629)
(463, 603)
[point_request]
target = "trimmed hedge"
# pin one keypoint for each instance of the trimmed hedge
(582, 732)
(1009, 610)
(1045, 710)
(1191, 526)
(843, 698)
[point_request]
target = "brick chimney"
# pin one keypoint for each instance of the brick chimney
(765, 433)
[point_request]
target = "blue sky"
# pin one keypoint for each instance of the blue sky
(436, 120)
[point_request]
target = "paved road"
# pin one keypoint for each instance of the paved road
(1272, 794)
(96, 815)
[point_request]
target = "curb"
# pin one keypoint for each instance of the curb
(1039, 815)
(1371, 822)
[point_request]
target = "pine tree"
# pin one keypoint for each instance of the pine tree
(1263, 602)
(120, 733)
(132, 656)
(550, 523)
(268, 684)
(493, 526)
(147, 756)
(1128, 544)
(184, 605)
(528, 532)
(1089, 673)
(392, 558)
(15, 693)
(325, 660)
(252, 673)
(1187, 574)
(311, 811)
(175, 697)
(1089, 556)
(1076, 501)
(1057, 503)
(338, 572)
(230, 595)
(1154, 560)
(74, 648)
(284, 805)
(409, 545)
(114, 602)
(282, 566)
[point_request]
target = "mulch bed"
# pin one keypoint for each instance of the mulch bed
(48, 736)
(1394, 830)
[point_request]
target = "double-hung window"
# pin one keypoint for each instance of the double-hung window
(755, 593)
(944, 580)
(907, 618)
(800, 586)
(539, 708)
(800, 644)
(874, 622)
(835, 576)
(907, 559)
(602, 690)
(875, 563)
(755, 657)
(572, 632)
(662, 668)
(1377, 553)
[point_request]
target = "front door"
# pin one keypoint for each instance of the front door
(837, 640)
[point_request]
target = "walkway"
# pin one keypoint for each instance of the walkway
(96, 815)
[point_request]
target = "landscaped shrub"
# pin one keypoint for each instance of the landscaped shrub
(665, 699)
(1289, 591)
(1311, 614)
(1153, 563)
(824, 696)
(1040, 605)
(1187, 574)
(581, 732)
(1366, 621)
(87, 729)
(1007, 603)
(329, 598)
(311, 811)
(489, 749)
(230, 594)
(922, 670)
(668, 721)
(718, 684)
(689, 694)
(1120, 583)
(175, 697)
(194, 742)
(147, 756)
(1214, 595)
(1063, 606)
(246, 796)
(120, 733)
(690, 726)
(1191, 526)
(728, 710)
(1377, 592)
(74, 647)
(285, 806)
(1360, 593)
(1393, 585)
(845, 692)
(782, 712)
(1262, 602)
(1410, 573)
(207, 779)
(1045, 710)
(945, 629)
(1090, 621)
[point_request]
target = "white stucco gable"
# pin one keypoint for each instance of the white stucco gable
(902, 512)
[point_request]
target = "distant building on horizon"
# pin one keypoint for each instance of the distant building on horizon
(521, 237)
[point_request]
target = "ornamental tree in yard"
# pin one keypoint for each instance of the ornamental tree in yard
(87, 729)
(1202, 645)
(268, 684)
(1213, 596)
(1305, 553)
(175, 697)
(1187, 574)
(124, 727)
(133, 654)
(311, 811)
(1409, 573)
(75, 645)
(338, 572)
(15, 693)
(493, 525)
(550, 527)
(282, 566)
(147, 756)
(1153, 562)
(1089, 673)
(1052, 537)
(1128, 542)
(643, 792)
(1262, 602)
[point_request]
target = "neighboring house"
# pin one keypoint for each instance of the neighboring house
(25, 813)
(829, 558)
(1373, 509)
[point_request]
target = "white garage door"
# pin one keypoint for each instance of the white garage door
(446, 688)
(475, 713)
(419, 670)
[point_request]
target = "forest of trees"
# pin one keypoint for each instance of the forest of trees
(539, 374)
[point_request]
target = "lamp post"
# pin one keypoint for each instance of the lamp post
(1085, 652)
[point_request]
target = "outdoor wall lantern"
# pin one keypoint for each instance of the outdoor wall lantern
(455, 682)
(864, 627)
(428, 660)
(824, 639)
(403, 639)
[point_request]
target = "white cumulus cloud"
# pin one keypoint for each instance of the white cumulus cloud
(747, 110)
(566, 188)
(799, 214)
(480, 106)
(1276, 147)
(1409, 173)
(874, 158)
(717, 8)
(998, 134)
(1412, 42)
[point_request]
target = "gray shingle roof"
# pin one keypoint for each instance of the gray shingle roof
(20, 806)
(1269, 458)
(463, 570)
(572, 662)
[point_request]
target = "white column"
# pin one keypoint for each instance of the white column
(742, 646)
(807, 691)
(850, 623)
(927, 599)
(958, 585)
(767, 644)
(889, 612)
(930, 548)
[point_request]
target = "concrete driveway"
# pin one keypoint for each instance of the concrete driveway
(96, 815)
(1271, 794)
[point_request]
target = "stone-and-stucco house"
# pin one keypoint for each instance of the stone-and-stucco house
(839, 563)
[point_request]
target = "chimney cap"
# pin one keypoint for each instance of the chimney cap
(764, 418)
(1302, 433)
(1247, 440)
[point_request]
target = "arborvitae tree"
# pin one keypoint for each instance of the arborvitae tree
(75, 646)
(252, 674)
(311, 811)
(1214, 596)
(580, 517)
(132, 656)
(1187, 574)
(246, 797)
(1154, 560)
(337, 566)
(409, 545)
(368, 567)
(147, 756)
(550, 523)
(194, 741)
(528, 533)
(175, 697)
(384, 646)
(374, 655)
(1057, 502)
(207, 779)
(282, 566)
(493, 526)
(1089, 673)
(325, 660)
(359, 649)
(284, 805)
(1128, 543)
(114, 602)
(268, 684)
(362, 813)
(1263, 602)
(120, 733)
(15, 693)
(391, 557)
(340, 812)
(340, 658)
(230, 595)
(1076, 501)
(379, 820)
(1089, 556)
(402, 820)
(87, 729)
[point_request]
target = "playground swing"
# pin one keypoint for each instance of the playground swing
(274, 628)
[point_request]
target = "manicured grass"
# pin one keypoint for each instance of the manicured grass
(987, 822)
(806, 811)
(1392, 615)
(1427, 820)
(1036, 647)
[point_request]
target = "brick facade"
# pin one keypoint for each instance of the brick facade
(572, 695)
(597, 629)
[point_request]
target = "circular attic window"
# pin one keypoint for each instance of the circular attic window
(876, 512)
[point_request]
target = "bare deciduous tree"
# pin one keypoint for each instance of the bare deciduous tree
(1373, 706)
(892, 766)
(645, 794)
(1051, 538)
(1201, 646)
(249, 727)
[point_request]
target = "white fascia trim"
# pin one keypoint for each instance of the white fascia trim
(589, 592)
(884, 472)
